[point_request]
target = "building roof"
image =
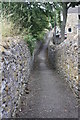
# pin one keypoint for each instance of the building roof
(73, 10)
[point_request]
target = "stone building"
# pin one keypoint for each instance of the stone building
(72, 25)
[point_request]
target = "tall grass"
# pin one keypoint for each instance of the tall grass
(7, 28)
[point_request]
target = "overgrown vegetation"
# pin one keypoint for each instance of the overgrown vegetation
(27, 18)
(31, 42)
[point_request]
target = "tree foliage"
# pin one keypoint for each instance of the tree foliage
(27, 15)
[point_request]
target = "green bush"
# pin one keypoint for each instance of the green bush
(40, 36)
(30, 41)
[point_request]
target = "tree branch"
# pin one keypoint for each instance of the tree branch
(69, 6)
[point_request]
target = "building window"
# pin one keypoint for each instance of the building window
(79, 17)
(69, 30)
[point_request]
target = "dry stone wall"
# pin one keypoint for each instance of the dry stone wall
(64, 58)
(16, 63)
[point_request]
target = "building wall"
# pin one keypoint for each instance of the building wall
(72, 22)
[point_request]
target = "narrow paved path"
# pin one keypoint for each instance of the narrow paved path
(49, 96)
